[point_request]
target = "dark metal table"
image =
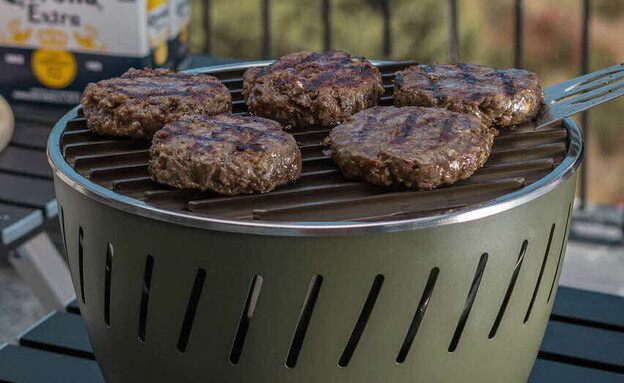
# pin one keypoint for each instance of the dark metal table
(27, 198)
(583, 343)
(28, 208)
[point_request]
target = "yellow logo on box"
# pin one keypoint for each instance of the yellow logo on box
(151, 4)
(89, 39)
(18, 34)
(161, 53)
(184, 34)
(52, 38)
(53, 68)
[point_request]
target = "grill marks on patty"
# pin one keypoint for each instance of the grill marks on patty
(411, 146)
(141, 102)
(499, 97)
(470, 79)
(509, 86)
(241, 137)
(144, 89)
(166, 84)
(226, 154)
(406, 130)
(308, 88)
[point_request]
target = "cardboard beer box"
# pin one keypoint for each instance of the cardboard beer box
(51, 49)
(180, 28)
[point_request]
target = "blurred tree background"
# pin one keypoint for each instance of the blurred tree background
(420, 32)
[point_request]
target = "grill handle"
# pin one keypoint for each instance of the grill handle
(574, 96)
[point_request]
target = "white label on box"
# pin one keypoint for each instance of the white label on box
(114, 27)
(158, 21)
(181, 14)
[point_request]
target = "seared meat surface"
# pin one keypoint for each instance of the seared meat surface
(411, 146)
(499, 97)
(140, 102)
(309, 88)
(227, 154)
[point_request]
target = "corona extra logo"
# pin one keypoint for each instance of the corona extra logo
(17, 34)
(89, 39)
(50, 38)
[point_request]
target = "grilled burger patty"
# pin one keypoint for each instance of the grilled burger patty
(309, 88)
(140, 102)
(227, 154)
(411, 146)
(499, 97)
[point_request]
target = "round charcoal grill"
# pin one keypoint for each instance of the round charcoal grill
(323, 279)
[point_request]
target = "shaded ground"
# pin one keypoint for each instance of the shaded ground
(594, 267)
(19, 308)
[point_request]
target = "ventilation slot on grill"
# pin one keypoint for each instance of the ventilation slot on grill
(554, 280)
(81, 264)
(191, 309)
(358, 330)
(472, 294)
(541, 274)
(145, 292)
(304, 320)
(243, 326)
(63, 229)
(108, 271)
(419, 315)
(512, 283)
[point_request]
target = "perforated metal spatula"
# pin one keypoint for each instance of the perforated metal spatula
(574, 96)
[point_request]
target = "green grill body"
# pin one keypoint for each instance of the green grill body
(108, 250)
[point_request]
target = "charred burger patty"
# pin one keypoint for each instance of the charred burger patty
(227, 154)
(141, 102)
(308, 88)
(411, 146)
(499, 97)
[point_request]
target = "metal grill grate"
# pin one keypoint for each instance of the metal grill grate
(520, 156)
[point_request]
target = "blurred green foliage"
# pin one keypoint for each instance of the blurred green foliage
(420, 32)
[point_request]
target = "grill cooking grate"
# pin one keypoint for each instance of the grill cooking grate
(520, 156)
